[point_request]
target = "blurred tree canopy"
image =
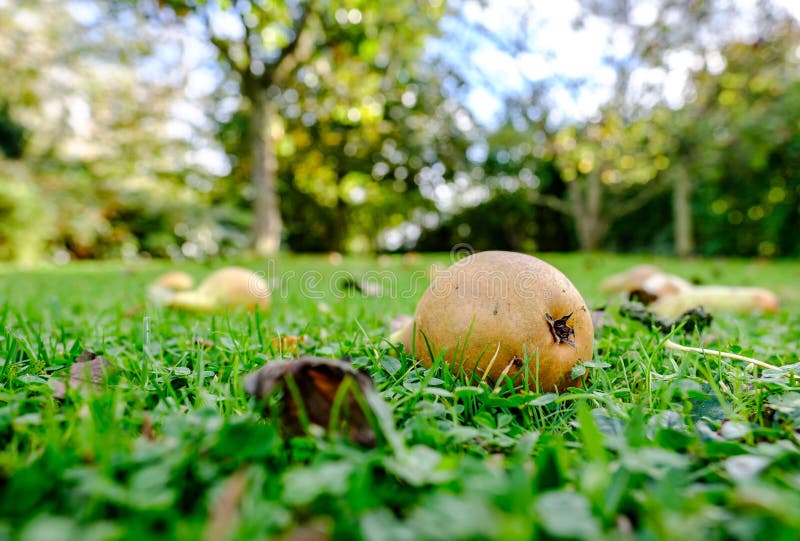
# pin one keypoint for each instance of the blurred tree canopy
(335, 62)
(194, 129)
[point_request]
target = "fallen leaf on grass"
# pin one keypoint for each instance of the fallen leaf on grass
(203, 342)
(88, 371)
(134, 310)
(224, 514)
(147, 428)
(316, 530)
(320, 392)
(287, 345)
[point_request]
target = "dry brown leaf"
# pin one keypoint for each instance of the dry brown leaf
(287, 345)
(87, 372)
(147, 428)
(134, 310)
(316, 382)
(203, 342)
(317, 530)
(224, 513)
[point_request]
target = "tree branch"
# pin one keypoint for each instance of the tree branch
(647, 193)
(223, 46)
(287, 57)
(550, 201)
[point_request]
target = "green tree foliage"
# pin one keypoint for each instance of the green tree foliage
(332, 62)
(743, 145)
(353, 165)
(102, 175)
(617, 166)
(353, 112)
(12, 135)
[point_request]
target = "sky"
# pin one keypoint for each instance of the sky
(557, 51)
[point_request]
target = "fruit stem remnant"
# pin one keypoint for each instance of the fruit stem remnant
(560, 330)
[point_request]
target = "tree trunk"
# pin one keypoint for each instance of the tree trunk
(682, 212)
(338, 235)
(586, 212)
(267, 220)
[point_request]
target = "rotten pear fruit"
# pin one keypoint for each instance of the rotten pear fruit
(496, 314)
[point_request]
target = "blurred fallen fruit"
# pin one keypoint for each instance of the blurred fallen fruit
(717, 298)
(493, 311)
(327, 393)
(226, 288)
(410, 259)
(165, 286)
(335, 258)
(645, 283)
(176, 280)
(630, 280)
(670, 296)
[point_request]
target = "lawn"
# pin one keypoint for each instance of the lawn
(657, 445)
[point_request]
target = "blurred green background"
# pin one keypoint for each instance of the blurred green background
(202, 129)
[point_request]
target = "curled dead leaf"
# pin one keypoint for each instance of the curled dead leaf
(87, 372)
(319, 529)
(287, 345)
(224, 514)
(203, 342)
(328, 393)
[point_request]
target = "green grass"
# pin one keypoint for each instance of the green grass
(658, 445)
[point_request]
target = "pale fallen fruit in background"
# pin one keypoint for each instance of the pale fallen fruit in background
(647, 281)
(228, 287)
(335, 258)
(164, 287)
(662, 285)
(717, 298)
(492, 310)
(629, 280)
(177, 280)
(670, 296)
(410, 259)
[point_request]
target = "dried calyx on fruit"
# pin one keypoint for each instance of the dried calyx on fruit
(497, 314)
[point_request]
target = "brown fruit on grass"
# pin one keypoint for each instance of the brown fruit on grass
(226, 288)
(492, 310)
